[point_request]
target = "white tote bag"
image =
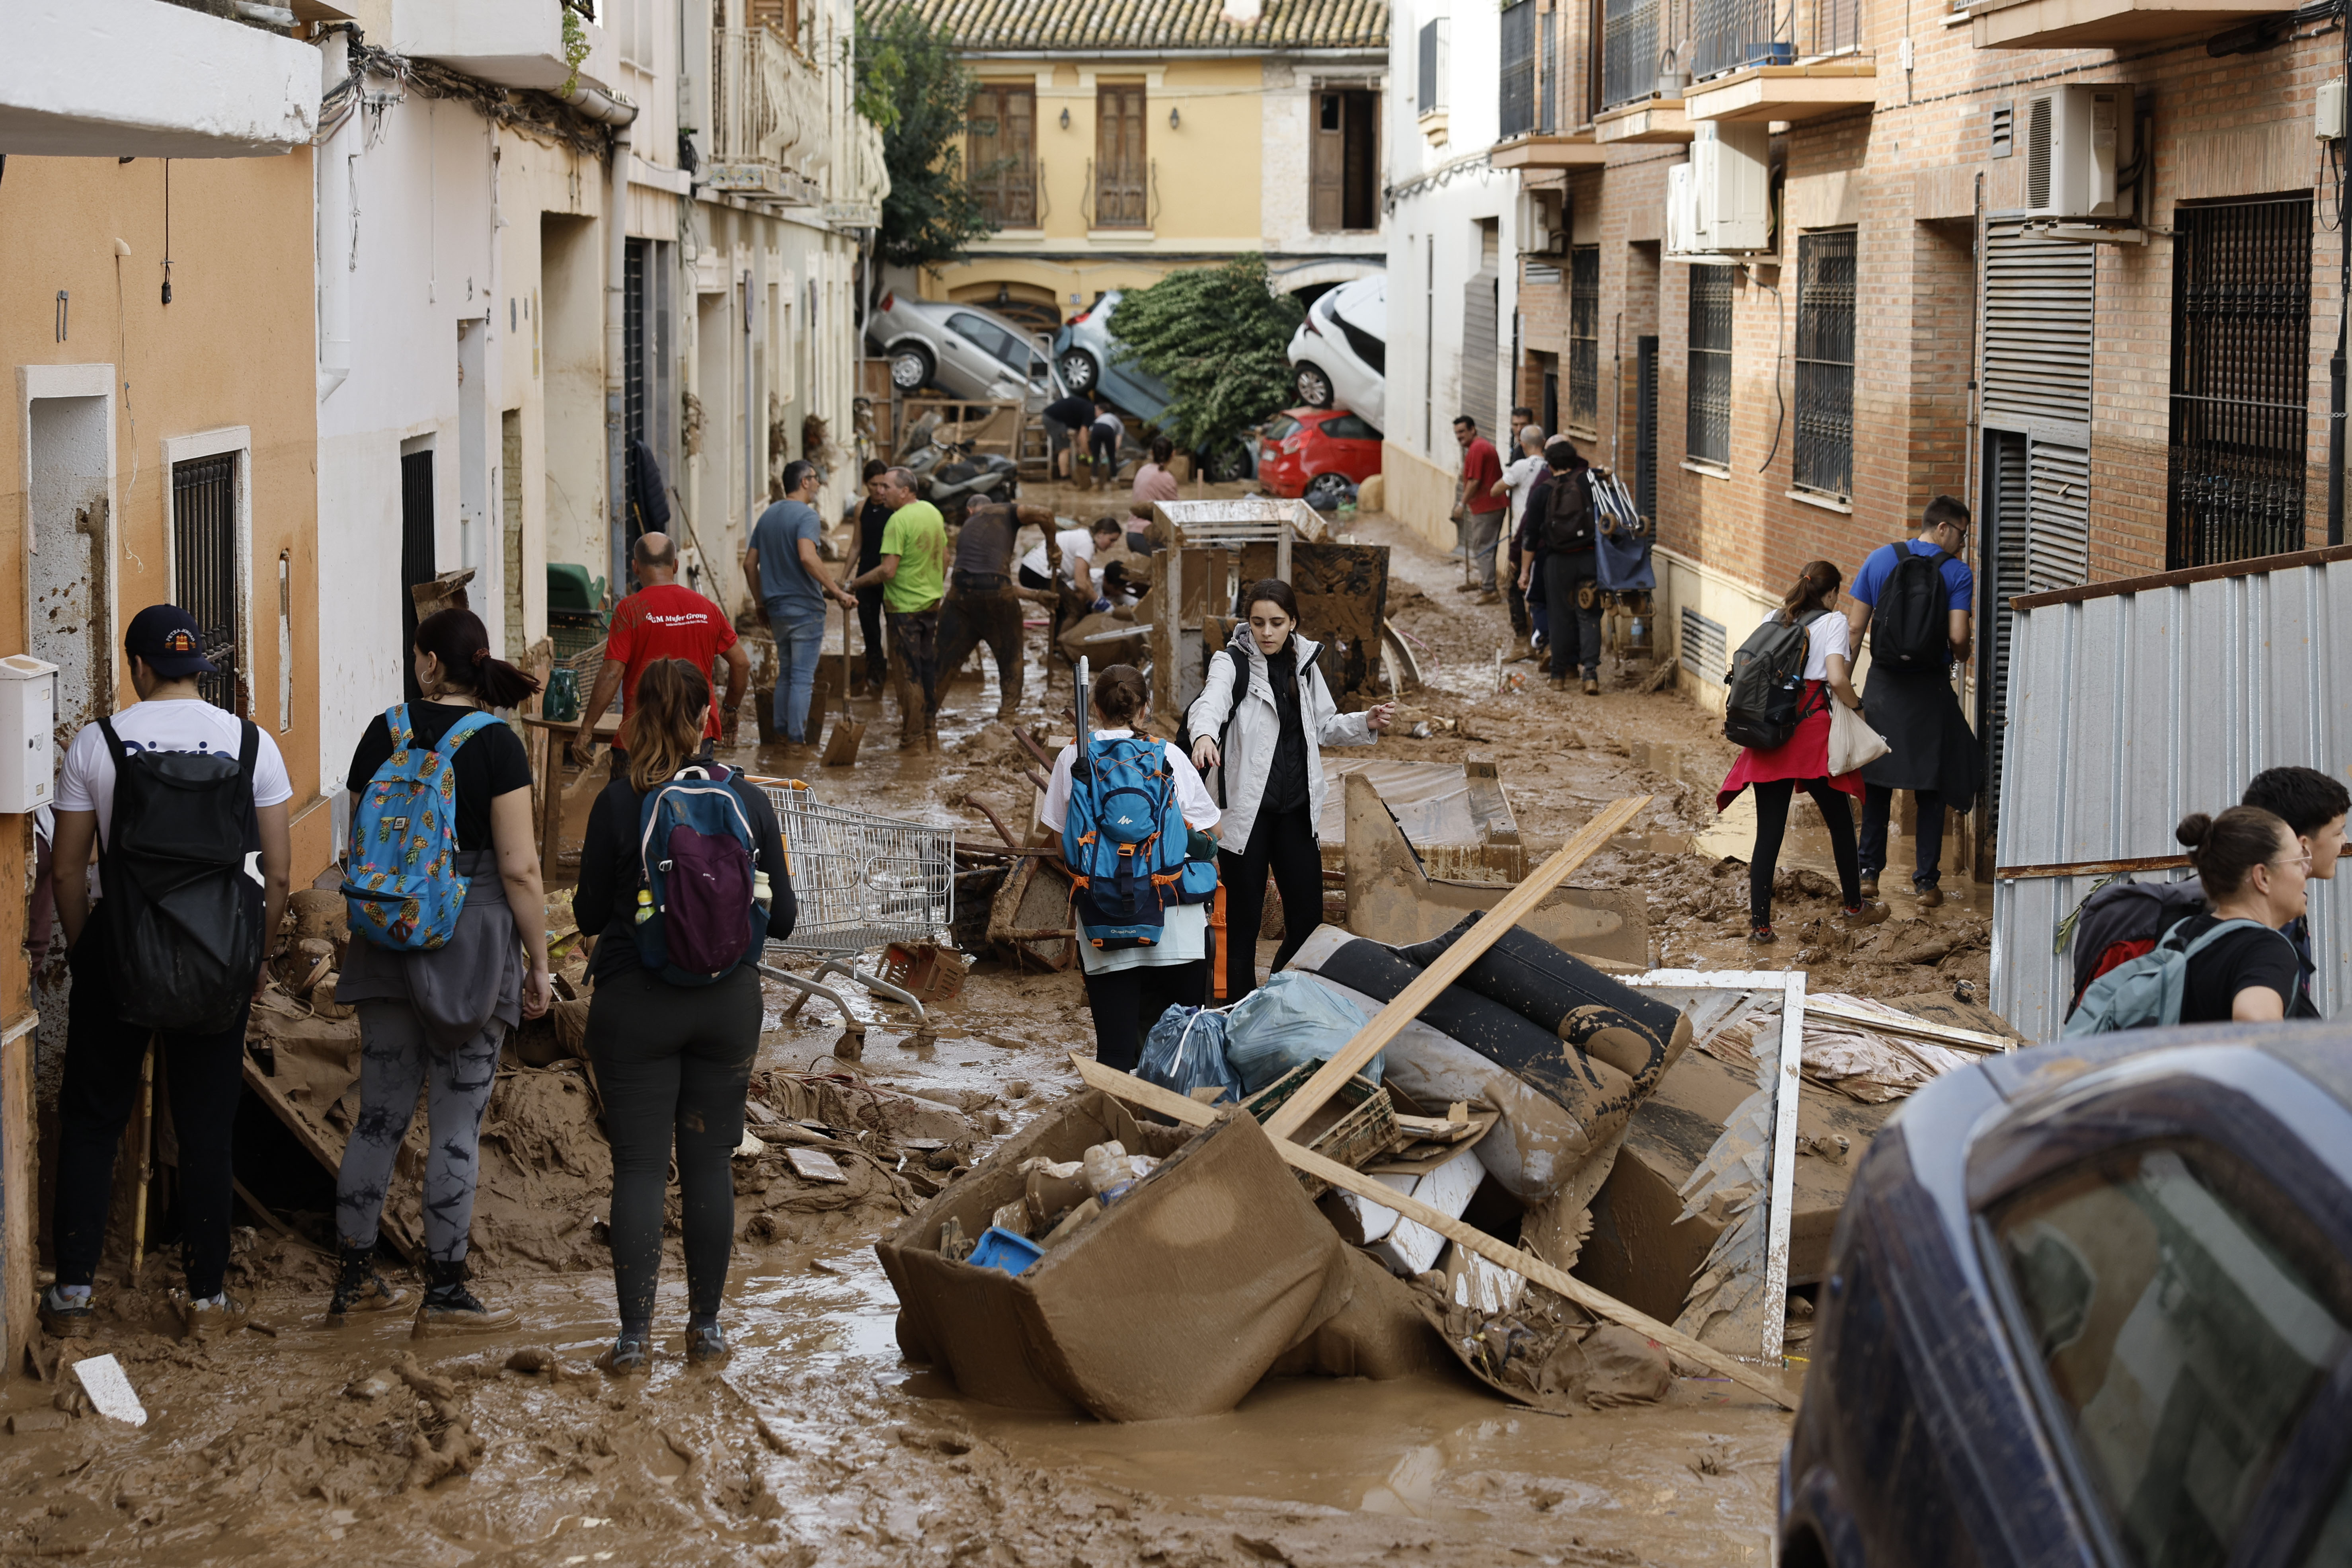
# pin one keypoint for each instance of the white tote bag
(1853, 742)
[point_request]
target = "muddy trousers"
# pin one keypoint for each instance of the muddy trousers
(1126, 1002)
(1571, 585)
(395, 1061)
(205, 1075)
(869, 628)
(1284, 843)
(1927, 857)
(673, 1064)
(1772, 800)
(973, 617)
(915, 660)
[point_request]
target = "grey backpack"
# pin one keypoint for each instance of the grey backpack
(2146, 993)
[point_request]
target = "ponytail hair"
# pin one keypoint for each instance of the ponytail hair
(2225, 847)
(1119, 694)
(459, 639)
(1816, 590)
(663, 729)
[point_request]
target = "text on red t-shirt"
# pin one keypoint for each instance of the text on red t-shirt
(667, 621)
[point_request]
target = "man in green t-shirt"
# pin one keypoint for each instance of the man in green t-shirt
(913, 577)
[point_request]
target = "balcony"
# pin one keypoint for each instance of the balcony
(1652, 119)
(1576, 150)
(513, 43)
(1752, 60)
(860, 179)
(2099, 23)
(768, 118)
(138, 78)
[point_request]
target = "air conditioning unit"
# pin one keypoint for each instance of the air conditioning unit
(1729, 181)
(1541, 229)
(1680, 216)
(2076, 138)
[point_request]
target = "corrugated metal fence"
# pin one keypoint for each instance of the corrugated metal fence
(2133, 703)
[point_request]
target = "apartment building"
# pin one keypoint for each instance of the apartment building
(1796, 270)
(1114, 146)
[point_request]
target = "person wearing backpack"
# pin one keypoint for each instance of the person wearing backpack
(2231, 962)
(209, 791)
(684, 877)
(1562, 523)
(1263, 718)
(1133, 974)
(1914, 597)
(448, 953)
(1802, 651)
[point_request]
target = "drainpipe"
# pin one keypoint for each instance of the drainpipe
(617, 112)
(2335, 410)
(332, 167)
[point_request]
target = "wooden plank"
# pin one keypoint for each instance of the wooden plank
(1949, 1035)
(1588, 841)
(17, 1184)
(394, 1226)
(1192, 1113)
(1788, 1090)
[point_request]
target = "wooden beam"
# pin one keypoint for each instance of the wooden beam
(1588, 841)
(1192, 1113)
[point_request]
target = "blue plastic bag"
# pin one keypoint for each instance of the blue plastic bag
(1186, 1050)
(1290, 1019)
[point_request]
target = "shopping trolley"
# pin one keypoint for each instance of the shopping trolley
(861, 882)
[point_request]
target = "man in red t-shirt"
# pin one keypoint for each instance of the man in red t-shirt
(663, 620)
(1478, 508)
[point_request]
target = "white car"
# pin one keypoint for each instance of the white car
(1340, 354)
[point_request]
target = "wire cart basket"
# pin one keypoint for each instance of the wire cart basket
(861, 882)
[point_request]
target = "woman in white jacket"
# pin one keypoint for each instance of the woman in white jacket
(1270, 689)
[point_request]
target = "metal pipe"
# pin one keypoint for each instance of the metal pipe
(617, 112)
(2343, 322)
(751, 416)
(336, 240)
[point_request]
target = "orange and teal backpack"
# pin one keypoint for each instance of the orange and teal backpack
(400, 876)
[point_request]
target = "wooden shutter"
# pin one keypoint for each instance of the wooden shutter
(999, 135)
(1327, 165)
(1479, 326)
(2037, 333)
(1122, 195)
(778, 15)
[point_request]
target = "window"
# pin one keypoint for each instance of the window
(1344, 160)
(1280, 428)
(1629, 50)
(1825, 276)
(1547, 71)
(1432, 75)
(2163, 1293)
(1122, 175)
(204, 557)
(991, 340)
(1349, 427)
(1365, 346)
(2241, 347)
(777, 16)
(999, 139)
(1584, 338)
(1518, 79)
(1709, 391)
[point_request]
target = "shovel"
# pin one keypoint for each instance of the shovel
(848, 734)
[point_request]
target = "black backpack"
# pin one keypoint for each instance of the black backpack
(1910, 627)
(183, 915)
(1766, 702)
(2124, 919)
(1567, 514)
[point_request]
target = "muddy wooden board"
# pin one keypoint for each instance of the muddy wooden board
(310, 1082)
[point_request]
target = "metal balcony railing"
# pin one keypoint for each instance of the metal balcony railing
(1729, 35)
(767, 104)
(1629, 50)
(1516, 89)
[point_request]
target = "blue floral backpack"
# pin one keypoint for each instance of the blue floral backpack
(401, 877)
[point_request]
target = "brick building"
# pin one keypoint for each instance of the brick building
(2142, 388)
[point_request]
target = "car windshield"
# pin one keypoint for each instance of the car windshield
(1279, 427)
(991, 339)
(2183, 1322)
(1349, 427)
(1367, 347)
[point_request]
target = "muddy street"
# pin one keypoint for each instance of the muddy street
(818, 1443)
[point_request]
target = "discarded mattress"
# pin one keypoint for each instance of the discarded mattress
(1565, 1090)
(1174, 1300)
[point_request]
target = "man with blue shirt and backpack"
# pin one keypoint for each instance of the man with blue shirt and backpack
(1915, 598)
(185, 805)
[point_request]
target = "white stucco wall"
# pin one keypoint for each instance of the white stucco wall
(137, 78)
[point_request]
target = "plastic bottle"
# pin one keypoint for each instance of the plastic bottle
(1106, 1166)
(644, 905)
(762, 893)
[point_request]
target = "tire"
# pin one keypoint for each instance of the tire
(1231, 462)
(910, 367)
(1079, 371)
(1314, 387)
(1328, 492)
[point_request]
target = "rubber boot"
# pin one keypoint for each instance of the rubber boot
(449, 1308)
(359, 1288)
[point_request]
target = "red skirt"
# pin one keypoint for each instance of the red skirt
(1803, 755)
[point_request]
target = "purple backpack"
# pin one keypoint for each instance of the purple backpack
(697, 918)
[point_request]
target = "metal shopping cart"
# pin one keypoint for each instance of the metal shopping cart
(862, 882)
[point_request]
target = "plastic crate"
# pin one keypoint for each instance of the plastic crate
(1364, 1130)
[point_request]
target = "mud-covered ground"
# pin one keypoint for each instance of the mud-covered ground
(291, 1442)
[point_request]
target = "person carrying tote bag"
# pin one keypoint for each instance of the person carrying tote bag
(1853, 744)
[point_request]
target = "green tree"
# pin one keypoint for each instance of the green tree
(912, 84)
(1217, 336)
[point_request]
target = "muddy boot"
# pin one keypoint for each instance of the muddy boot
(359, 1288)
(630, 1355)
(1008, 704)
(205, 1317)
(66, 1316)
(449, 1308)
(705, 1341)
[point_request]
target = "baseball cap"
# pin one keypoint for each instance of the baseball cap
(165, 635)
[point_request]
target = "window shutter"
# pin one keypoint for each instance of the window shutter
(2037, 333)
(1480, 316)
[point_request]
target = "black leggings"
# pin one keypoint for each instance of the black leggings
(1126, 1002)
(1772, 797)
(1282, 841)
(673, 1061)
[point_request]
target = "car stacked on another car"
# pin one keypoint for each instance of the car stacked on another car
(1317, 455)
(1339, 355)
(965, 351)
(1089, 358)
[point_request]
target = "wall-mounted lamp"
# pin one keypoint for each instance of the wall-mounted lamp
(1066, 117)
(1174, 119)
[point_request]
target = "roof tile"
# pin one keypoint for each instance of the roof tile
(1175, 25)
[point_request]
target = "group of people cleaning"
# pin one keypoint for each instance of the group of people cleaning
(2242, 924)
(441, 838)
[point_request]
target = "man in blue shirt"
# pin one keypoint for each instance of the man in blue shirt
(1910, 701)
(783, 566)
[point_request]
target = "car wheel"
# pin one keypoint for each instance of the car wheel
(1231, 461)
(910, 367)
(1329, 492)
(1078, 370)
(1314, 386)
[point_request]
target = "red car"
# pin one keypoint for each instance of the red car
(1319, 455)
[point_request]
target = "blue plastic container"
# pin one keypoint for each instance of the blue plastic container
(1001, 1249)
